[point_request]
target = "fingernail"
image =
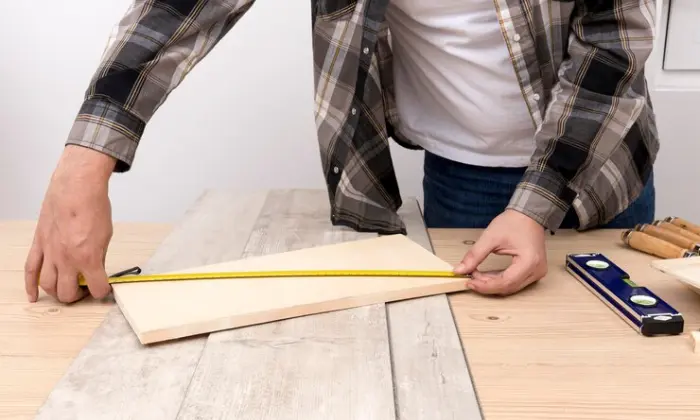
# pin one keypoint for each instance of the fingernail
(460, 268)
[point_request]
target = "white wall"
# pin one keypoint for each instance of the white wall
(676, 96)
(216, 129)
(243, 116)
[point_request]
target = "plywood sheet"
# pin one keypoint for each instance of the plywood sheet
(686, 270)
(160, 311)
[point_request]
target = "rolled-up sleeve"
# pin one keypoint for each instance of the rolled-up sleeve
(149, 53)
(600, 95)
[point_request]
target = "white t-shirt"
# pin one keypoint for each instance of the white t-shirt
(456, 89)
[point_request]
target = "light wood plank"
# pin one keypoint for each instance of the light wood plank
(114, 376)
(685, 270)
(334, 365)
(162, 311)
(431, 374)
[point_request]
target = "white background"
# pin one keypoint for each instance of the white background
(242, 117)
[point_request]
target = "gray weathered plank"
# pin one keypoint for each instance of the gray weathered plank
(114, 376)
(333, 365)
(431, 374)
(214, 229)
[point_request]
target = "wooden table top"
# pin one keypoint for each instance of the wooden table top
(553, 351)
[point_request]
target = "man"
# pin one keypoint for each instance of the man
(534, 115)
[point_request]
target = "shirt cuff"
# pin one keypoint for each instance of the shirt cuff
(107, 128)
(544, 196)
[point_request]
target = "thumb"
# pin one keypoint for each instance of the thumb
(476, 254)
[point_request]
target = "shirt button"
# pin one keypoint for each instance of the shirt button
(354, 111)
(516, 38)
(335, 170)
(365, 50)
(536, 96)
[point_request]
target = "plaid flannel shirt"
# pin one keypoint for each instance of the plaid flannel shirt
(580, 65)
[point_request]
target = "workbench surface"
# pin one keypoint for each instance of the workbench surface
(553, 351)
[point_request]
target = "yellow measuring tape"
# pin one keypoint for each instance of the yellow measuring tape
(278, 273)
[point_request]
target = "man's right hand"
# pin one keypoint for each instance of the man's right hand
(74, 229)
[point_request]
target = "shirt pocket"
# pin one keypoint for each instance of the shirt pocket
(329, 10)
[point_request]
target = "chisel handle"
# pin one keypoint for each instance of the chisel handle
(669, 236)
(654, 246)
(680, 222)
(675, 228)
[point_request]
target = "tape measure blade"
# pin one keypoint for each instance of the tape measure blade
(278, 274)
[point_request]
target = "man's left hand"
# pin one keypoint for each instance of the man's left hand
(511, 233)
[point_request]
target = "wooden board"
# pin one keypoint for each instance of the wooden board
(161, 311)
(686, 270)
(406, 357)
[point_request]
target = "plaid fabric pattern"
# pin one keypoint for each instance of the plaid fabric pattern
(580, 65)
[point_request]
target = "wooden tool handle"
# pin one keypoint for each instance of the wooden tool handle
(653, 246)
(680, 222)
(675, 228)
(669, 236)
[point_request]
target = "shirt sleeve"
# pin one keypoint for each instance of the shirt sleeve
(149, 53)
(600, 94)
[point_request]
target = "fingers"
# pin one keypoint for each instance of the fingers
(497, 283)
(48, 277)
(476, 254)
(495, 286)
(60, 281)
(67, 289)
(97, 281)
(32, 269)
(521, 273)
(91, 264)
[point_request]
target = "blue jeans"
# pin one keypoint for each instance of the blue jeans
(457, 195)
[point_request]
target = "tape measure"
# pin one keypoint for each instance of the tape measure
(643, 310)
(123, 276)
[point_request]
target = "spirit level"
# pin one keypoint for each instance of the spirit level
(647, 313)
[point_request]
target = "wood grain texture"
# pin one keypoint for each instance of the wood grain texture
(328, 366)
(668, 235)
(332, 365)
(39, 341)
(431, 373)
(685, 224)
(114, 376)
(554, 351)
